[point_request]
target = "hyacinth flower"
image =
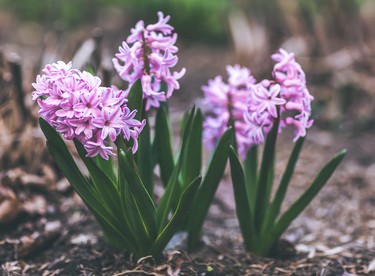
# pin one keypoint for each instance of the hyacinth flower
(103, 124)
(148, 54)
(146, 57)
(258, 113)
(216, 132)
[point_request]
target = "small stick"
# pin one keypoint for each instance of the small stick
(15, 68)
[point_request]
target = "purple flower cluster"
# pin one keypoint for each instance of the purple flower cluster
(227, 103)
(289, 74)
(79, 108)
(148, 54)
(252, 108)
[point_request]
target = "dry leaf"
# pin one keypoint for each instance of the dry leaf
(29, 244)
(33, 180)
(10, 207)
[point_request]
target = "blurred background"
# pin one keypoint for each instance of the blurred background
(333, 40)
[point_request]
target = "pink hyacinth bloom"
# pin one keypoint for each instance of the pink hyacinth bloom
(253, 108)
(161, 25)
(255, 126)
(79, 108)
(110, 122)
(58, 69)
(94, 148)
(130, 122)
(89, 104)
(150, 59)
(267, 99)
(288, 92)
(83, 125)
(226, 102)
(289, 74)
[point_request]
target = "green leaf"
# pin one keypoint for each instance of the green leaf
(143, 201)
(104, 186)
(251, 175)
(192, 162)
(244, 213)
(68, 165)
(180, 214)
(144, 157)
(104, 217)
(172, 191)
(208, 188)
(135, 99)
(264, 185)
(65, 161)
(273, 212)
(107, 166)
(303, 201)
(162, 146)
(128, 205)
(184, 122)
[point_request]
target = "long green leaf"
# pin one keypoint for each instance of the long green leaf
(107, 166)
(192, 162)
(104, 217)
(273, 212)
(303, 201)
(184, 121)
(144, 203)
(144, 157)
(65, 161)
(208, 188)
(264, 185)
(251, 175)
(135, 99)
(104, 186)
(162, 146)
(172, 191)
(180, 214)
(129, 208)
(244, 213)
(69, 165)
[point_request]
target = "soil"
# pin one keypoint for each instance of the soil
(45, 228)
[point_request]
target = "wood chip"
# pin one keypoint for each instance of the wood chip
(371, 266)
(83, 239)
(33, 180)
(10, 207)
(36, 205)
(31, 243)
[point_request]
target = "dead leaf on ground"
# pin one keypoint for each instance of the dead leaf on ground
(37, 240)
(10, 207)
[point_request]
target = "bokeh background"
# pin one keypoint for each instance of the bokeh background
(333, 40)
